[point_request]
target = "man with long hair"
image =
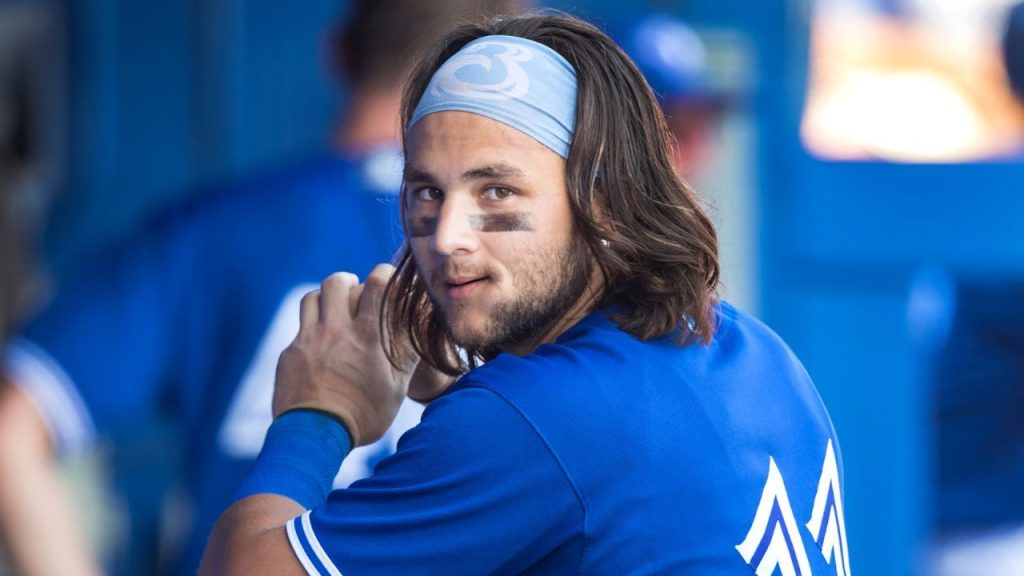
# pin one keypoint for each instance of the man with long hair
(184, 322)
(592, 406)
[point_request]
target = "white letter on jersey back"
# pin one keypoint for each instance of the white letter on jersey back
(827, 523)
(774, 538)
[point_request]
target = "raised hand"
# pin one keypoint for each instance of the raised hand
(337, 362)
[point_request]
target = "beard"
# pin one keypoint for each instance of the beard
(540, 301)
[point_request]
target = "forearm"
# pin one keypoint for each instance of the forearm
(36, 513)
(335, 389)
(301, 454)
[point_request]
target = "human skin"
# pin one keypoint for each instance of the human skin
(501, 231)
(337, 364)
(38, 512)
(459, 165)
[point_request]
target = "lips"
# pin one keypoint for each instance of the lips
(463, 286)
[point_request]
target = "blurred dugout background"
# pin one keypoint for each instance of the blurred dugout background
(866, 177)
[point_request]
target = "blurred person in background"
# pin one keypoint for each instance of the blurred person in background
(187, 320)
(1013, 54)
(970, 327)
(30, 151)
(12, 250)
(974, 342)
(673, 60)
(699, 80)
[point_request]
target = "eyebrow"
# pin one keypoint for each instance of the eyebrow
(490, 171)
(498, 170)
(413, 174)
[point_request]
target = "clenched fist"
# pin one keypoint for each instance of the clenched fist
(337, 362)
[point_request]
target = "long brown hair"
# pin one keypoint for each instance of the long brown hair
(649, 235)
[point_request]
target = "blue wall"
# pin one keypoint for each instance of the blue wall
(166, 95)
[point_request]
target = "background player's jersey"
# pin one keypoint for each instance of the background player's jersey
(187, 321)
(604, 454)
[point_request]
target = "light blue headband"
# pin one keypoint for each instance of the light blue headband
(515, 81)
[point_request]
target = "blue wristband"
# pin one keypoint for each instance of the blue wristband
(300, 458)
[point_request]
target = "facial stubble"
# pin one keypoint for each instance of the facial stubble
(535, 307)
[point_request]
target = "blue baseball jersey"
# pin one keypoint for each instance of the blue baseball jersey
(188, 320)
(604, 454)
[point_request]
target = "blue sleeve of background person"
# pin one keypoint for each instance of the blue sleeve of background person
(471, 490)
(115, 328)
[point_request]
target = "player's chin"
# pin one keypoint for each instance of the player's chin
(469, 331)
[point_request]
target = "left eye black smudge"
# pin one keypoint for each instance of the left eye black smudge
(420, 227)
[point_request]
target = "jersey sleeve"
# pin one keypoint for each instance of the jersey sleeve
(472, 490)
(97, 356)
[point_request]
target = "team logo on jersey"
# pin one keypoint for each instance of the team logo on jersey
(774, 541)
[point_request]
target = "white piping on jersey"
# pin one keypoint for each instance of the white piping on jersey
(317, 548)
(300, 552)
(48, 387)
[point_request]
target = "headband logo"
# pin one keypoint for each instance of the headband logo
(473, 84)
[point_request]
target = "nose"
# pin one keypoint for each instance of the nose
(454, 233)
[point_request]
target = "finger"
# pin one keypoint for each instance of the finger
(353, 298)
(373, 291)
(334, 295)
(309, 310)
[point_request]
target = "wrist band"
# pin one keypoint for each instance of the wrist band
(331, 415)
(301, 456)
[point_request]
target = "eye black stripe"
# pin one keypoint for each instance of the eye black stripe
(504, 222)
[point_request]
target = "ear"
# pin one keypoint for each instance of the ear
(599, 205)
